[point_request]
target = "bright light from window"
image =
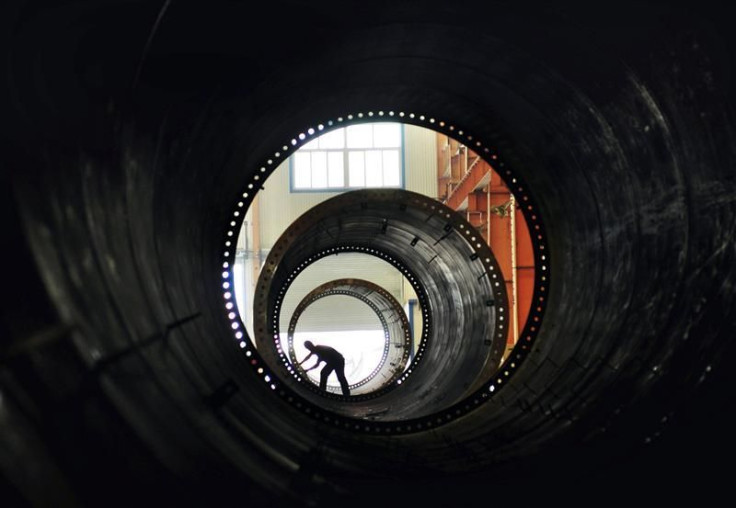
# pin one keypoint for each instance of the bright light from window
(357, 156)
(332, 140)
(391, 169)
(387, 135)
(302, 170)
(357, 169)
(319, 169)
(373, 168)
(336, 177)
(360, 136)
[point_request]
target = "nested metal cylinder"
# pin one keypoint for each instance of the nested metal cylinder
(397, 333)
(457, 280)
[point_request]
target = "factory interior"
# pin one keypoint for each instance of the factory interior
(516, 221)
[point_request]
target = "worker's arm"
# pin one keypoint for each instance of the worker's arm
(316, 364)
(306, 358)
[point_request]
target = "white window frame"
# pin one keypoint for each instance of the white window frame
(348, 154)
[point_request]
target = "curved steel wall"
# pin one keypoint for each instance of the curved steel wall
(130, 129)
(454, 274)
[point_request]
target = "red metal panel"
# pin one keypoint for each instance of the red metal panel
(492, 194)
(524, 268)
(524, 251)
(524, 292)
(467, 184)
(500, 240)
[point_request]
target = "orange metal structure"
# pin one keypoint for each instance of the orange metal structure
(469, 184)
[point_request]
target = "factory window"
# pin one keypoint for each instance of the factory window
(353, 157)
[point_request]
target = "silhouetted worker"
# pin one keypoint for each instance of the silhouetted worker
(333, 361)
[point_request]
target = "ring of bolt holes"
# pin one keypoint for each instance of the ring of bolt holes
(336, 204)
(526, 338)
(374, 308)
(304, 304)
(413, 280)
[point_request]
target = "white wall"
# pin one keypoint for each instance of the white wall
(351, 314)
(278, 208)
(420, 160)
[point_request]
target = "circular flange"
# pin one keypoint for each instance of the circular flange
(453, 270)
(396, 330)
(529, 331)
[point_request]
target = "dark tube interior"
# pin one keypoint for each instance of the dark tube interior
(129, 130)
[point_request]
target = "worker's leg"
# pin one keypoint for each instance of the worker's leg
(324, 374)
(340, 371)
